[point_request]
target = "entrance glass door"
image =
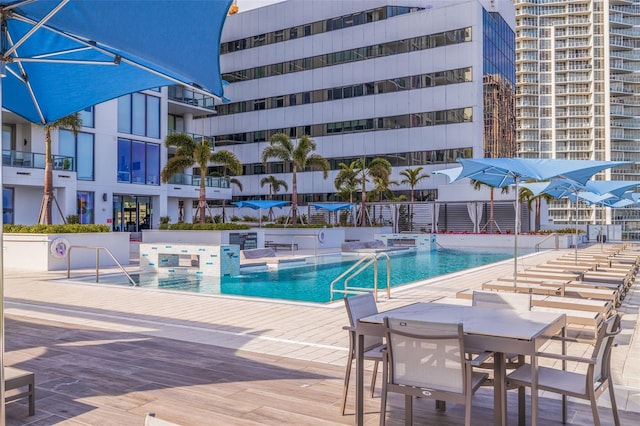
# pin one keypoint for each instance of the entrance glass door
(131, 213)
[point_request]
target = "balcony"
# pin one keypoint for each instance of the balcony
(193, 180)
(196, 137)
(36, 161)
(188, 101)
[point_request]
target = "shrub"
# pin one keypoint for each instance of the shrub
(55, 229)
(206, 226)
(73, 219)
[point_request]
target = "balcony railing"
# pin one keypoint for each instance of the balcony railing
(186, 96)
(192, 180)
(33, 160)
(196, 137)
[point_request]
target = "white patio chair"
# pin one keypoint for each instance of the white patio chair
(427, 360)
(358, 307)
(589, 385)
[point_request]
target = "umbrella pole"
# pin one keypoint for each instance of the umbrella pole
(515, 239)
(604, 211)
(576, 242)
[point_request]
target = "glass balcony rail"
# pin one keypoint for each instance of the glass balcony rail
(33, 160)
(186, 96)
(196, 137)
(193, 180)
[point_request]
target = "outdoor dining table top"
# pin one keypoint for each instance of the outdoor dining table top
(503, 323)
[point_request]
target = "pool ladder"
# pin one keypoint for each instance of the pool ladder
(97, 249)
(356, 269)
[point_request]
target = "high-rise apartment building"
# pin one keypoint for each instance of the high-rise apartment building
(417, 83)
(578, 90)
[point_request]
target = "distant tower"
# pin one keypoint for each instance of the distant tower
(234, 8)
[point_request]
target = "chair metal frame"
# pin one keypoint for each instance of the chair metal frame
(420, 338)
(597, 378)
(361, 306)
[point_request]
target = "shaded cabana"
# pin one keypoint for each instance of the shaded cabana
(261, 204)
(332, 208)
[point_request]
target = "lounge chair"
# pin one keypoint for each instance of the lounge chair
(427, 360)
(20, 384)
(358, 307)
(589, 385)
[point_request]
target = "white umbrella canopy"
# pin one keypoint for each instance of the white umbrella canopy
(501, 172)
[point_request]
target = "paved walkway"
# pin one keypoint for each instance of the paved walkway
(293, 330)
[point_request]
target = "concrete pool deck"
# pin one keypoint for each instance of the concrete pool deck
(297, 331)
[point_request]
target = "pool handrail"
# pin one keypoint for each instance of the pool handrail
(97, 249)
(557, 242)
(315, 243)
(363, 263)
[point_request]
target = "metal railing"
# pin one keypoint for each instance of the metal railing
(97, 249)
(557, 245)
(357, 268)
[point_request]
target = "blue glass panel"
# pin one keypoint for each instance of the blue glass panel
(85, 206)
(85, 157)
(138, 113)
(7, 205)
(153, 164)
(124, 114)
(153, 117)
(67, 143)
(138, 162)
(124, 160)
(87, 117)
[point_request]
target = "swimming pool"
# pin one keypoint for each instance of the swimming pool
(311, 283)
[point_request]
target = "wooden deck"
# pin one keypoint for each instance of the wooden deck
(88, 376)
(107, 355)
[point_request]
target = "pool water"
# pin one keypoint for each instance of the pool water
(312, 283)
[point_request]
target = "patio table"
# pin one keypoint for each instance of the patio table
(497, 330)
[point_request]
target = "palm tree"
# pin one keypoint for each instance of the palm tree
(190, 153)
(73, 122)
(300, 157)
(346, 182)
(412, 177)
(230, 164)
(527, 195)
(274, 185)
(378, 168)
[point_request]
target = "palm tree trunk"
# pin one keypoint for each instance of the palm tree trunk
(363, 202)
(538, 207)
(294, 195)
(202, 199)
(491, 221)
(47, 198)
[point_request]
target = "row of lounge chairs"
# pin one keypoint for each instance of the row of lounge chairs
(588, 287)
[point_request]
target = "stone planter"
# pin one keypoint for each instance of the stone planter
(50, 252)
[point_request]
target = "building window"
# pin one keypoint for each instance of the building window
(87, 116)
(139, 114)
(7, 205)
(80, 148)
(138, 162)
(85, 206)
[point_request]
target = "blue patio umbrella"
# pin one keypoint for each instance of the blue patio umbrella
(501, 172)
(600, 192)
(58, 57)
(260, 204)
